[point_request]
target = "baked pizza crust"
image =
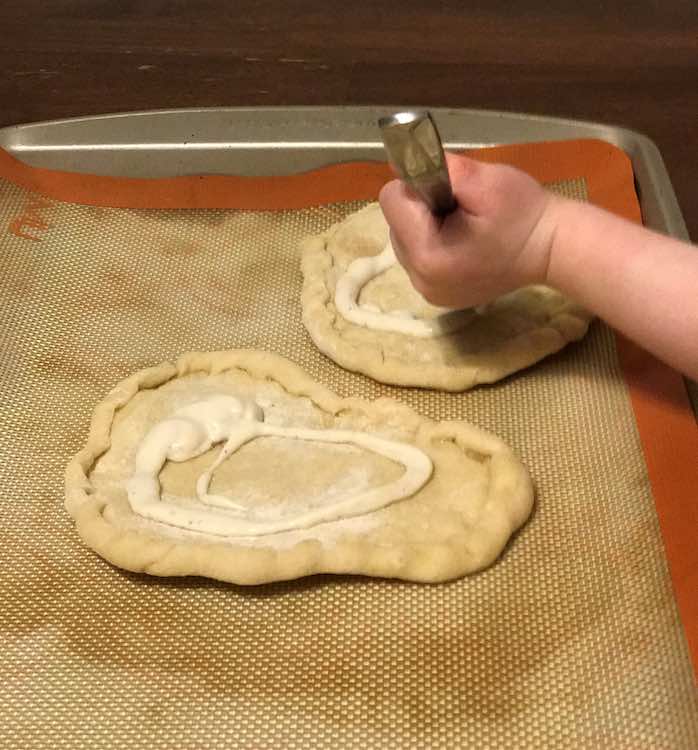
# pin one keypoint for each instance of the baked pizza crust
(479, 492)
(507, 335)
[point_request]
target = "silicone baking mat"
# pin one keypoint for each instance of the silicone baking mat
(572, 639)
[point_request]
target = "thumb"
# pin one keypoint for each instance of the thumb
(468, 179)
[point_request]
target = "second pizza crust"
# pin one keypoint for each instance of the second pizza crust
(505, 336)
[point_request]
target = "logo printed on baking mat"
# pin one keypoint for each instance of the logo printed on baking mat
(32, 222)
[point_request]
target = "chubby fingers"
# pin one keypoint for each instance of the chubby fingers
(412, 225)
(410, 219)
(423, 244)
(398, 201)
(413, 228)
(406, 213)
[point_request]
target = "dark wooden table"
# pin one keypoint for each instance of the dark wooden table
(635, 64)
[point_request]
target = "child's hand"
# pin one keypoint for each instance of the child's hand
(498, 239)
(508, 232)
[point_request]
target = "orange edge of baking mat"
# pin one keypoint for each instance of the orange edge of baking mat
(668, 430)
(348, 181)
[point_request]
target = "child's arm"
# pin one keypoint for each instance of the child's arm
(642, 283)
(508, 232)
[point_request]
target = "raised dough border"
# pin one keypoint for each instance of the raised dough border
(508, 505)
(522, 351)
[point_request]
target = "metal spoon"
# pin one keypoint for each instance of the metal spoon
(415, 151)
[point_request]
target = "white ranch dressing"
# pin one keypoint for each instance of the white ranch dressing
(194, 429)
(359, 273)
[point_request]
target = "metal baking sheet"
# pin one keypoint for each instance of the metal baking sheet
(281, 140)
(271, 140)
(187, 663)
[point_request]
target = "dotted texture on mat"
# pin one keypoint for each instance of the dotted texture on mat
(570, 640)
